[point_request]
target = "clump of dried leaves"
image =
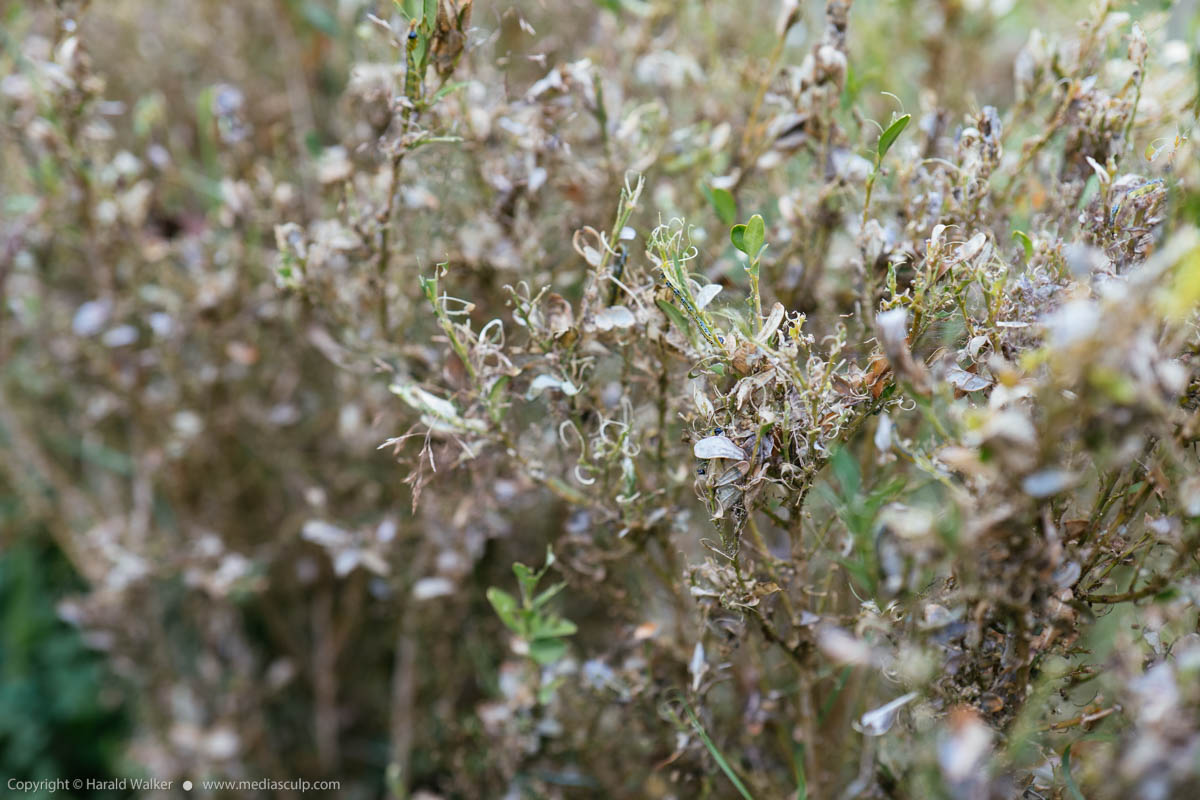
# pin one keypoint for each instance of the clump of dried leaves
(866, 452)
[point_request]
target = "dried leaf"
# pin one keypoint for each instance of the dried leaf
(614, 317)
(967, 381)
(718, 447)
(880, 720)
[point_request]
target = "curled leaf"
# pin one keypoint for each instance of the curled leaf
(559, 315)
(437, 414)
(543, 382)
(971, 248)
(879, 721)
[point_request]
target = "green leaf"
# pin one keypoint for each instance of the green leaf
(546, 692)
(754, 237)
(104, 457)
(506, 608)
(149, 112)
(749, 237)
(832, 696)
(853, 86)
(312, 143)
(679, 274)
(1185, 287)
(847, 473)
(528, 580)
(638, 8)
(860, 571)
(319, 17)
(552, 628)
(737, 235)
(888, 137)
(1026, 242)
(495, 408)
(798, 766)
(1091, 188)
(885, 493)
(548, 595)
(421, 53)
(675, 315)
(447, 89)
(429, 288)
(1168, 594)
(1067, 779)
(547, 651)
(724, 204)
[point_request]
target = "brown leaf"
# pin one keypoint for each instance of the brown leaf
(560, 317)
(746, 357)
(449, 36)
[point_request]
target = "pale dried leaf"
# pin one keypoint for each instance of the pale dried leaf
(718, 447)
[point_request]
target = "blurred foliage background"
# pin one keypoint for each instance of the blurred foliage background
(213, 217)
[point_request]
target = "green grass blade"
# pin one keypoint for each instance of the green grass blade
(1070, 781)
(725, 766)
